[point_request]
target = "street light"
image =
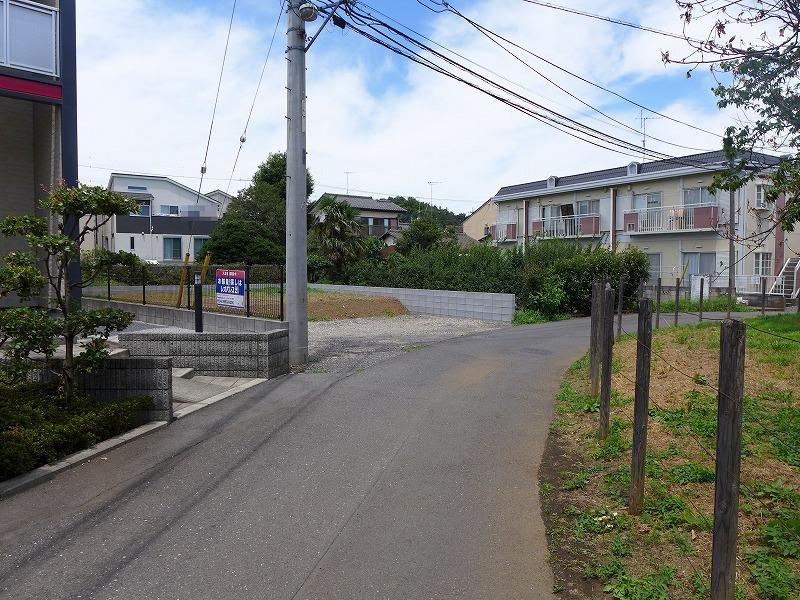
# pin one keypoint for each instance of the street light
(299, 12)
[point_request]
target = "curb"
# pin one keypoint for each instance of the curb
(42, 474)
(179, 414)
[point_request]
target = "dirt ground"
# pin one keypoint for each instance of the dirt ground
(328, 306)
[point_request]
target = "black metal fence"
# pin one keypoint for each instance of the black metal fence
(260, 295)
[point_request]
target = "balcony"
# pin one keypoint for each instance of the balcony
(566, 227)
(696, 217)
(505, 232)
(29, 37)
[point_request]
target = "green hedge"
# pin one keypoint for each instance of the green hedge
(553, 276)
(38, 427)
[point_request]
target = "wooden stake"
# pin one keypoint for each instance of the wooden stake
(677, 299)
(644, 338)
(620, 302)
(184, 272)
(607, 344)
(594, 337)
(658, 304)
(729, 452)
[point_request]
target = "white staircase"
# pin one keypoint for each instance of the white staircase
(786, 281)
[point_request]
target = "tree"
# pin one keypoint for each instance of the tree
(416, 209)
(337, 231)
(425, 234)
(29, 330)
(753, 50)
(259, 210)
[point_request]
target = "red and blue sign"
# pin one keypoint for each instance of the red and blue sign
(230, 288)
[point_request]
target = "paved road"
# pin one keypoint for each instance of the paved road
(412, 478)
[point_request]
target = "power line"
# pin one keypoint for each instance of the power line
(243, 137)
(216, 101)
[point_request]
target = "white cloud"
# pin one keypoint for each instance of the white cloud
(148, 77)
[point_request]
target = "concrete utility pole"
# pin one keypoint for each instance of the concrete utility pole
(296, 228)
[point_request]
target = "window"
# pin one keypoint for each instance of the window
(144, 209)
(761, 196)
(31, 41)
(168, 209)
(644, 201)
(173, 249)
(198, 246)
(655, 265)
(700, 263)
(699, 195)
(588, 207)
(138, 188)
(763, 266)
(551, 211)
(133, 243)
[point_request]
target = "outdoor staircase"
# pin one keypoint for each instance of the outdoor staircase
(786, 281)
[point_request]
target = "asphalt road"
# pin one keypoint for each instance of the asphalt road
(411, 478)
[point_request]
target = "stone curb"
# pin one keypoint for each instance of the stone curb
(42, 474)
(178, 414)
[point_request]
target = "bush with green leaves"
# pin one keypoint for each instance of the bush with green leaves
(45, 272)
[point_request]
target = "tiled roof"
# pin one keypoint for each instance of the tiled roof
(369, 203)
(658, 166)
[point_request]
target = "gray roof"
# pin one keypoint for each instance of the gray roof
(138, 196)
(369, 203)
(704, 160)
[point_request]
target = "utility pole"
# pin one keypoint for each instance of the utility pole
(296, 228)
(347, 176)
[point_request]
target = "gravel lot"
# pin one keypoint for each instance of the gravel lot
(339, 346)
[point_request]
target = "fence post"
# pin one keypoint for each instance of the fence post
(763, 296)
(677, 299)
(108, 282)
(658, 303)
(144, 284)
(607, 344)
(798, 302)
(198, 303)
(702, 291)
(247, 290)
(729, 438)
(283, 277)
(620, 302)
(188, 292)
(644, 337)
(594, 337)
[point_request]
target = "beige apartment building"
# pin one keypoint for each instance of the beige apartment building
(665, 209)
(481, 222)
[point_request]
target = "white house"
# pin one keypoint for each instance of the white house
(172, 219)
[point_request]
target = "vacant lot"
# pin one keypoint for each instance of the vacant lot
(597, 549)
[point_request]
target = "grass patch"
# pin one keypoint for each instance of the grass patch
(655, 555)
(37, 426)
(527, 316)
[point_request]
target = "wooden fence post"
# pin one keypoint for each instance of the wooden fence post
(677, 299)
(763, 296)
(644, 342)
(620, 302)
(594, 337)
(729, 446)
(702, 291)
(607, 344)
(658, 303)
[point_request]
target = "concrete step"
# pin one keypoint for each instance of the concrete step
(182, 373)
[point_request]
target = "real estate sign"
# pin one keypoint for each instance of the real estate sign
(230, 288)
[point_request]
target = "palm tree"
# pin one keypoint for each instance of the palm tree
(338, 231)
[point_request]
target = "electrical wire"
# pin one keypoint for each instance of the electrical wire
(243, 137)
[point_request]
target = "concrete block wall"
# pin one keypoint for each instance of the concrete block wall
(216, 354)
(183, 318)
(120, 378)
(473, 305)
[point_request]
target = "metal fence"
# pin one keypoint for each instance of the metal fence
(173, 286)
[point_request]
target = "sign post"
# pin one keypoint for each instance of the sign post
(230, 286)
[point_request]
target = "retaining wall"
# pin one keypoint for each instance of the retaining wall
(216, 354)
(119, 378)
(184, 318)
(473, 305)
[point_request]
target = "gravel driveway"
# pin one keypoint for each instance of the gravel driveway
(344, 345)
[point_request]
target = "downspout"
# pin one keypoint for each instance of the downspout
(613, 235)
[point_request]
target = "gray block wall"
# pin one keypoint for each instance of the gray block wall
(183, 318)
(472, 305)
(119, 378)
(216, 354)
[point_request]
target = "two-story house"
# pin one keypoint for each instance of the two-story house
(377, 217)
(172, 219)
(38, 107)
(662, 207)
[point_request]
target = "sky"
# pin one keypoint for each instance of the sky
(148, 73)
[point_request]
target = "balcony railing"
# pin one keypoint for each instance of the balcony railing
(560, 227)
(29, 37)
(505, 232)
(672, 218)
